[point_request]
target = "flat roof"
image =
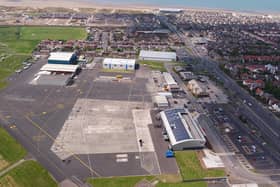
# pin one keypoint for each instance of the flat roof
(61, 56)
(60, 68)
(169, 79)
(119, 61)
(170, 10)
(161, 99)
(157, 54)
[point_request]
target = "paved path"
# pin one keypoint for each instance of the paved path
(11, 167)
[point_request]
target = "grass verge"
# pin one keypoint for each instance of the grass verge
(118, 181)
(161, 181)
(191, 168)
(10, 150)
(154, 65)
(28, 174)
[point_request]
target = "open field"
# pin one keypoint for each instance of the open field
(17, 44)
(28, 174)
(154, 65)
(132, 181)
(190, 167)
(10, 150)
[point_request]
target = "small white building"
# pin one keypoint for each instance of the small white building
(157, 56)
(118, 63)
(161, 101)
(182, 129)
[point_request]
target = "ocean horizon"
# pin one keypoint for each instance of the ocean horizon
(261, 6)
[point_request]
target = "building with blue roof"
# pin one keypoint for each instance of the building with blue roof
(183, 130)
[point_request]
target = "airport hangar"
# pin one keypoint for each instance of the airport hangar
(119, 63)
(157, 56)
(183, 131)
(62, 58)
(60, 68)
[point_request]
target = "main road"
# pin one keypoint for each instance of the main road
(265, 120)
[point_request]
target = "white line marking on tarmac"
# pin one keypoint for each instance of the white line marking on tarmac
(122, 160)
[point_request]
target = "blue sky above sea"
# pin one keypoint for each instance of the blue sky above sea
(266, 6)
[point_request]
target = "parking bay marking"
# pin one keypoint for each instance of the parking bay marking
(121, 158)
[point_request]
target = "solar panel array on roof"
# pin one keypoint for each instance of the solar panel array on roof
(176, 124)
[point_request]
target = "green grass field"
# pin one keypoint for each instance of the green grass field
(118, 181)
(154, 65)
(10, 150)
(132, 181)
(191, 168)
(28, 174)
(18, 42)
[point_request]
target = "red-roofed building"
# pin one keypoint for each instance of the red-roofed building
(256, 68)
(252, 84)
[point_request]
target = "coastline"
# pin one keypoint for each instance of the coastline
(76, 4)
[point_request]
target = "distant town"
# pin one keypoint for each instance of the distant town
(157, 97)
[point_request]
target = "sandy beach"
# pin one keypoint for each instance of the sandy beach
(70, 4)
(76, 4)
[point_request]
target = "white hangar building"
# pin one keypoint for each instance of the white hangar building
(157, 56)
(183, 131)
(118, 63)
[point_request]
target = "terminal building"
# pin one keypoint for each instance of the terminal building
(182, 129)
(62, 58)
(157, 56)
(118, 63)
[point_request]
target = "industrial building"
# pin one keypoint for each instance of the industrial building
(170, 10)
(62, 58)
(157, 56)
(170, 83)
(182, 129)
(60, 68)
(187, 75)
(197, 88)
(118, 63)
(161, 101)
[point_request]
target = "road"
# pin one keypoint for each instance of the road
(266, 121)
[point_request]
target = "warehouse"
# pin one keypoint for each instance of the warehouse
(60, 68)
(197, 89)
(183, 131)
(161, 101)
(62, 58)
(118, 63)
(170, 83)
(157, 56)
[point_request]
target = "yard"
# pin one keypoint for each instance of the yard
(18, 42)
(10, 150)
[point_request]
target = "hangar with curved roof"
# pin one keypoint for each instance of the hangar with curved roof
(182, 129)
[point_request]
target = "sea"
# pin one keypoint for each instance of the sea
(261, 6)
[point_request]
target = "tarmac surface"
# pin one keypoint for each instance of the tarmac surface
(39, 113)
